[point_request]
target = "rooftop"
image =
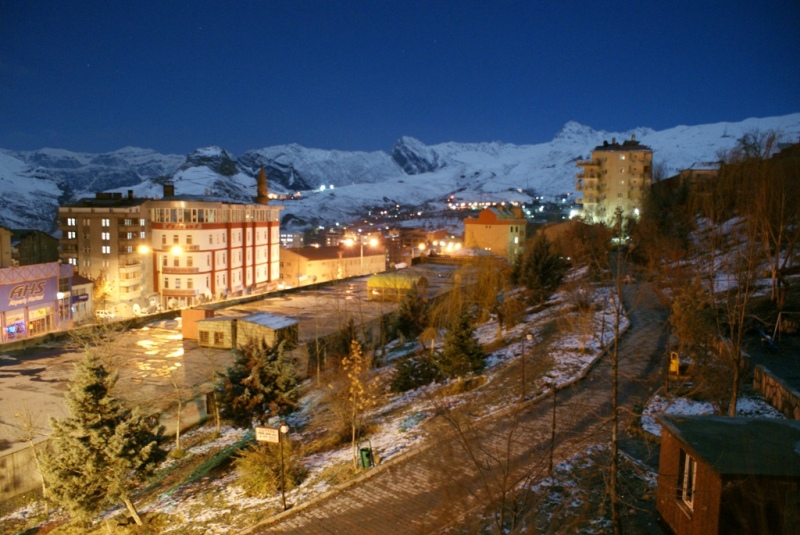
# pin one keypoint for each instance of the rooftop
(741, 446)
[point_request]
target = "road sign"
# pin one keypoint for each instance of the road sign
(267, 434)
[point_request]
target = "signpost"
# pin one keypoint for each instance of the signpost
(275, 436)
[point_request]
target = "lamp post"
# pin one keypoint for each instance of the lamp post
(529, 336)
(283, 430)
(372, 243)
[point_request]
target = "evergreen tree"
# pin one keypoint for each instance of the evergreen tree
(541, 270)
(260, 384)
(100, 452)
(462, 353)
(412, 314)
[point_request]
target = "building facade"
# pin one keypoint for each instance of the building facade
(311, 265)
(176, 251)
(34, 300)
(500, 230)
(103, 238)
(204, 250)
(5, 247)
(30, 246)
(616, 177)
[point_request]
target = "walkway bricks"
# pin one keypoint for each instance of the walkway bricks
(435, 487)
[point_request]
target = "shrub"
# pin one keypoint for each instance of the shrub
(259, 468)
(413, 372)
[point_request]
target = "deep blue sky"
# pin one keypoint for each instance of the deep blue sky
(173, 76)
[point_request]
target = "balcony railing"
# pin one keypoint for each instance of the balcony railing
(179, 270)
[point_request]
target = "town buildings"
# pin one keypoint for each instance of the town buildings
(615, 178)
(179, 250)
(498, 229)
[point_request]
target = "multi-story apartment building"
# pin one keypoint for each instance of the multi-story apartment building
(616, 177)
(179, 250)
(204, 249)
(500, 230)
(103, 238)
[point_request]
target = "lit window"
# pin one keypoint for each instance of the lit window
(71, 221)
(105, 236)
(142, 222)
(72, 235)
(143, 235)
(105, 222)
(106, 249)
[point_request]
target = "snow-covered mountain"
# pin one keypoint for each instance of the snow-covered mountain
(410, 174)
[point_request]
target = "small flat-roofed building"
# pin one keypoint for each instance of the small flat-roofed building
(729, 475)
(390, 286)
(229, 332)
(310, 265)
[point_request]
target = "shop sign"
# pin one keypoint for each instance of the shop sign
(20, 294)
(79, 298)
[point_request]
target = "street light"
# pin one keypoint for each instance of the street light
(529, 336)
(283, 430)
(372, 243)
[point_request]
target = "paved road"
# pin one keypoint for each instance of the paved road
(431, 490)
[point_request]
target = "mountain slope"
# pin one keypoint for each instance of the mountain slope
(412, 174)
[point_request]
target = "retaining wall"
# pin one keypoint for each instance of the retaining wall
(776, 392)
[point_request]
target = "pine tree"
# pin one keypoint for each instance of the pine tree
(100, 452)
(541, 270)
(462, 353)
(412, 314)
(260, 384)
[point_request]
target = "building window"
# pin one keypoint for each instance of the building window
(176, 262)
(71, 221)
(128, 222)
(106, 249)
(211, 239)
(189, 261)
(130, 235)
(203, 335)
(142, 222)
(177, 283)
(73, 261)
(163, 239)
(219, 338)
(188, 239)
(105, 222)
(164, 260)
(190, 284)
(72, 235)
(687, 474)
(87, 222)
(175, 239)
(166, 282)
(143, 235)
(105, 236)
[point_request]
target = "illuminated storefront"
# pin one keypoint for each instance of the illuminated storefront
(34, 300)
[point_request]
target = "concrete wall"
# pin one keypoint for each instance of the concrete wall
(776, 392)
(18, 471)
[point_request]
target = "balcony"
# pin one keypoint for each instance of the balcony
(587, 163)
(166, 270)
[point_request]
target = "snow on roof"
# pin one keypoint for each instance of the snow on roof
(741, 446)
(272, 321)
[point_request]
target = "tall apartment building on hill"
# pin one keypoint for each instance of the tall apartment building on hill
(617, 176)
(179, 250)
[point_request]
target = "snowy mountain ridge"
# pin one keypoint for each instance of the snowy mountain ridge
(412, 173)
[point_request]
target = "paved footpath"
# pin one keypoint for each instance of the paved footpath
(431, 489)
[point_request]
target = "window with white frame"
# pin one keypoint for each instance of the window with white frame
(71, 221)
(105, 236)
(105, 222)
(105, 249)
(72, 235)
(687, 473)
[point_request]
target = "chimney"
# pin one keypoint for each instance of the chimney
(169, 190)
(130, 194)
(633, 137)
(262, 196)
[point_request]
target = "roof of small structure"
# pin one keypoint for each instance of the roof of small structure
(272, 321)
(79, 280)
(329, 252)
(740, 446)
(394, 279)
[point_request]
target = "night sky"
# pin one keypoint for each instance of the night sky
(96, 76)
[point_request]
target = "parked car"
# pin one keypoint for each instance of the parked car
(105, 315)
